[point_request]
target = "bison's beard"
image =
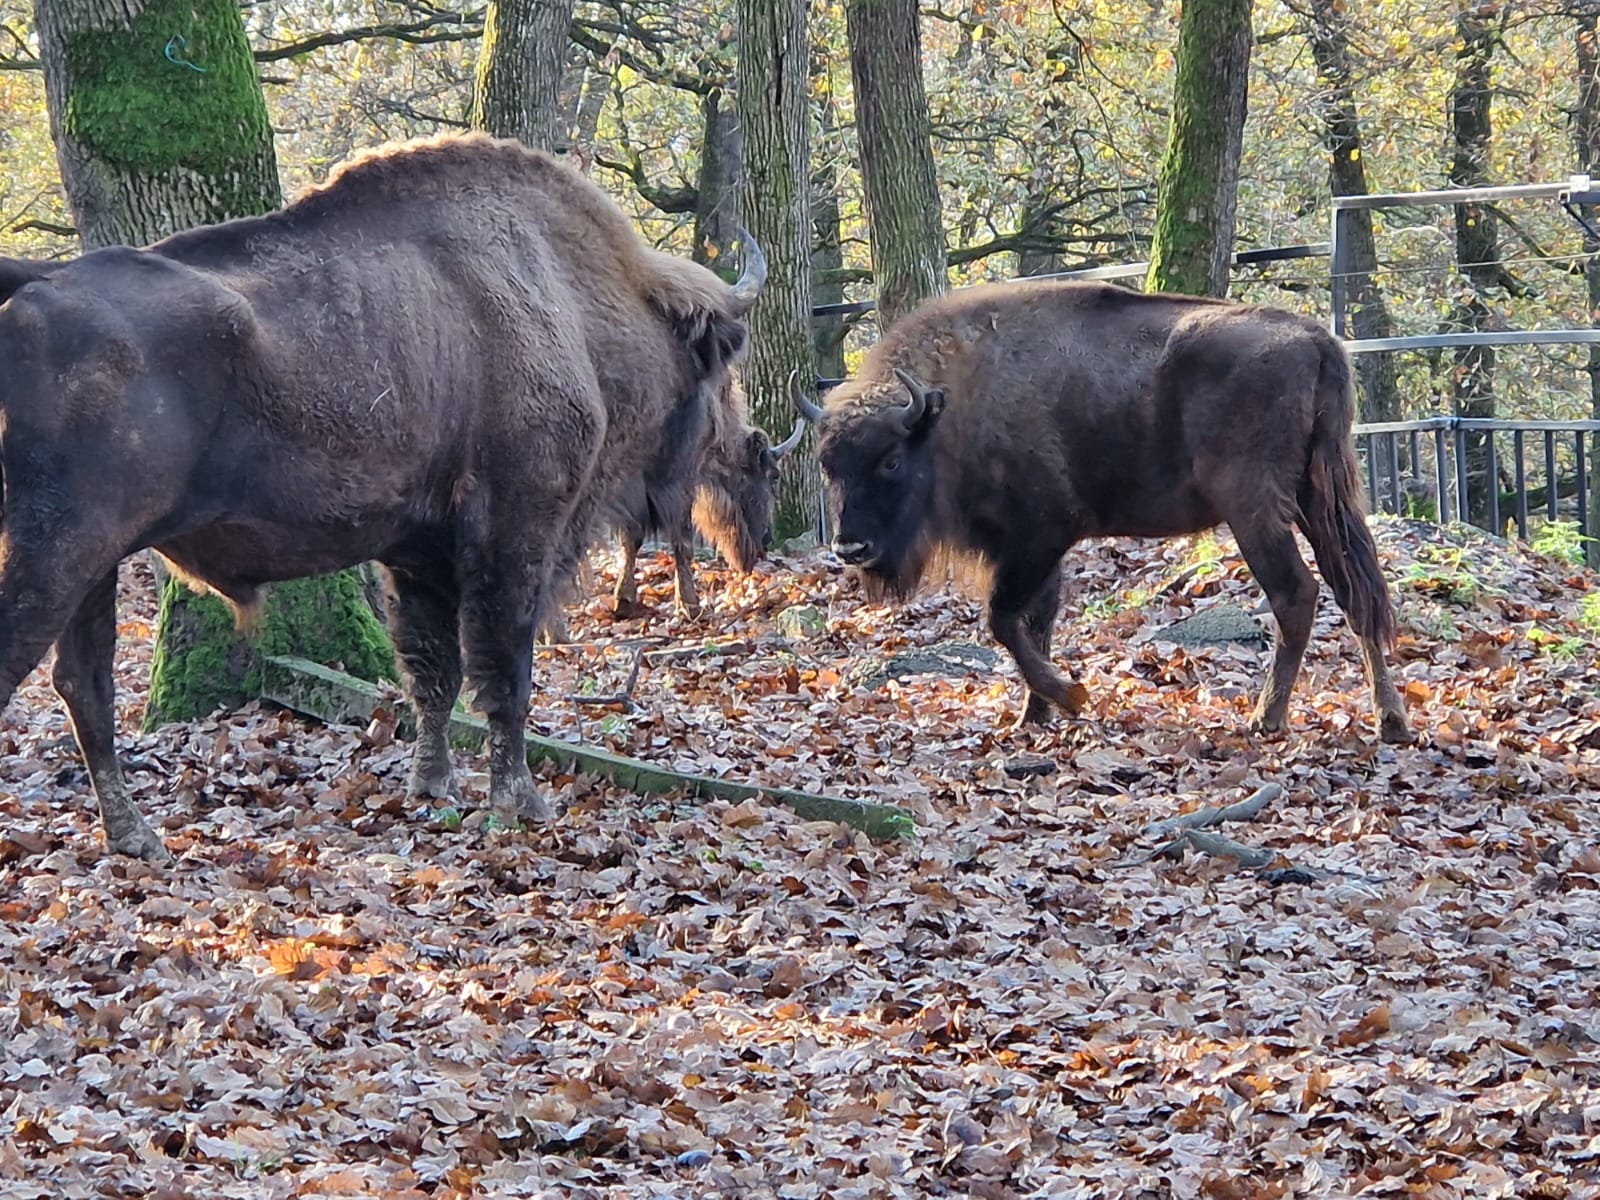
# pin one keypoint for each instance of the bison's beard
(717, 518)
(925, 558)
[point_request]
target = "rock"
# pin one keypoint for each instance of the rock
(1219, 625)
(949, 659)
(802, 621)
(1022, 766)
(802, 543)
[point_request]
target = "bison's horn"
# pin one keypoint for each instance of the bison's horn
(807, 408)
(918, 404)
(793, 440)
(755, 272)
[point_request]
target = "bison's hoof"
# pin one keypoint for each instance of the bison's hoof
(1268, 726)
(138, 840)
(522, 799)
(433, 785)
(1395, 731)
(1038, 712)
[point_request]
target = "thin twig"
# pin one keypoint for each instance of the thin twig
(1201, 818)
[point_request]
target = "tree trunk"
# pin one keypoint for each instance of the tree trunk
(716, 212)
(1586, 132)
(773, 113)
(897, 174)
(1199, 182)
(1347, 176)
(520, 64)
(1477, 249)
(159, 125)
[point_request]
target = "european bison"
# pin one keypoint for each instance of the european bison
(721, 483)
(1008, 421)
(439, 359)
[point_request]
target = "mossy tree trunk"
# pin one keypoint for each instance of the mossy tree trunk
(159, 125)
(716, 192)
(901, 189)
(827, 239)
(1586, 134)
(1198, 186)
(520, 65)
(774, 114)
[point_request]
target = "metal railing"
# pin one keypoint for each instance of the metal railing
(1424, 468)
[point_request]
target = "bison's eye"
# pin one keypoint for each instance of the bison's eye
(889, 464)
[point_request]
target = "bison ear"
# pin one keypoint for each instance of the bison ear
(14, 272)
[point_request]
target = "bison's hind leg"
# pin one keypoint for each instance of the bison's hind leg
(83, 677)
(424, 609)
(1270, 551)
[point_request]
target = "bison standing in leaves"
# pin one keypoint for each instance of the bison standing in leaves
(1009, 421)
(444, 359)
(721, 483)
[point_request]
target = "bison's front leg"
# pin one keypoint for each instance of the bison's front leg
(625, 600)
(425, 622)
(83, 678)
(688, 599)
(1022, 611)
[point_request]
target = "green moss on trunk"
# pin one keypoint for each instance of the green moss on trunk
(175, 89)
(202, 663)
(1193, 243)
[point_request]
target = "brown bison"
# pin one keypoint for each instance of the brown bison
(442, 359)
(1009, 421)
(722, 484)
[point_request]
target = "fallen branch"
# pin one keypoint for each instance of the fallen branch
(624, 698)
(1203, 818)
(339, 699)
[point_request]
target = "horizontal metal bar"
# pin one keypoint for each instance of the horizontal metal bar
(1507, 337)
(1478, 424)
(1477, 195)
(841, 310)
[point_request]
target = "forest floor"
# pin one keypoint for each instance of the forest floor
(336, 993)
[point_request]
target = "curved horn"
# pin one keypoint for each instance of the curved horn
(803, 404)
(918, 404)
(755, 272)
(793, 440)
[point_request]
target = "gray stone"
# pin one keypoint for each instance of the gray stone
(802, 622)
(951, 660)
(1219, 625)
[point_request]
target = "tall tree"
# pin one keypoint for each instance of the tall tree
(1198, 187)
(1586, 135)
(774, 115)
(1329, 27)
(1477, 241)
(520, 65)
(902, 191)
(159, 125)
(716, 208)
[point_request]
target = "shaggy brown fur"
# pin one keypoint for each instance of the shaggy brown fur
(441, 359)
(1035, 414)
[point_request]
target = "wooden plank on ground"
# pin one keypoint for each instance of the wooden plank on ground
(339, 699)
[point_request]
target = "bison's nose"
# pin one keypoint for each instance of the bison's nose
(853, 552)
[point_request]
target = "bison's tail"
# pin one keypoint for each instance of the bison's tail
(1332, 514)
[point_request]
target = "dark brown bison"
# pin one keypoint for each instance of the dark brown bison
(441, 359)
(722, 484)
(1008, 421)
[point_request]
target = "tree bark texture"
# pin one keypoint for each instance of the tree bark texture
(827, 240)
(1347, 176)
(1198, 185)
(716, 211)
(157, 116)
(520, 65)
(897, 173)
(159, 126)
(775, 200)
(1586, 134)
(1477, 247)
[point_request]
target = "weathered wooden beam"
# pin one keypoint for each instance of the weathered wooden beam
(339, 699)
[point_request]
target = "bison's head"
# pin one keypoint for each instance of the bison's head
(875, 448)
(733, 505)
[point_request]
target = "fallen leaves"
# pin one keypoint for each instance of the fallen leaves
(331, 995)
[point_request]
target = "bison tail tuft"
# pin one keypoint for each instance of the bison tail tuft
(1332, 513)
